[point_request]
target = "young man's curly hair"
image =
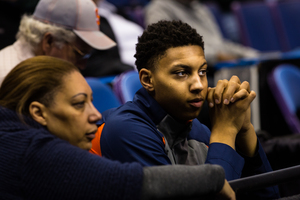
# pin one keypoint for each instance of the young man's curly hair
(159, 37)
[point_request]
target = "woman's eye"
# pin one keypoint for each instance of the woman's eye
(79, 104)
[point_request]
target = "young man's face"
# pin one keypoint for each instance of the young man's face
(180, 82)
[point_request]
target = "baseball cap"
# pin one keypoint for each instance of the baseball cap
(80, 16)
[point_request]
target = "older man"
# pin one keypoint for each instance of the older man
(67, 29)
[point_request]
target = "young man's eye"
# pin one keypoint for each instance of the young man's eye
(181, 73)
(202, 72)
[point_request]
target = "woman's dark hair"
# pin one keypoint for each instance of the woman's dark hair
(159, 37)
(35, 79)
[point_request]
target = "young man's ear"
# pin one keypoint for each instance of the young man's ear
(47, 43)
(146, 79)
(37, 112)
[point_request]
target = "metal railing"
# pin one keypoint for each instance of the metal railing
(266, 179)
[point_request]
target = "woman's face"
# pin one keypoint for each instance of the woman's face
(72, 116)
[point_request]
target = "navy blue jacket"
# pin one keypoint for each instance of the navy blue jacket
(133, 130)
(34, 164)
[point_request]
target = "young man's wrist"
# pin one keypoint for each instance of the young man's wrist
(247, 142)
(224, 135)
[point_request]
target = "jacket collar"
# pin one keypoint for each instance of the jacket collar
(149, 105)
(8, 118)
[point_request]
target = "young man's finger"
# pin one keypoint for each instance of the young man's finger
(210, 97)
(219, 89)
(251, 96)
(245, 85)
(229, 91)
(232, 87)
(241, 94)
(235, 79)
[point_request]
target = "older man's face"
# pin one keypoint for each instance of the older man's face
(76, 52)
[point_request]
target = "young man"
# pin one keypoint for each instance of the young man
(159, 127)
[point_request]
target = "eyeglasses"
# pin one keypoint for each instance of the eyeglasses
(82, 55)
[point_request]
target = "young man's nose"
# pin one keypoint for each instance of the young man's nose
(196, 83)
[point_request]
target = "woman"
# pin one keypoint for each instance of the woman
(46, 113)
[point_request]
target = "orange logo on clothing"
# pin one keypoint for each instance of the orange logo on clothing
(97, 16)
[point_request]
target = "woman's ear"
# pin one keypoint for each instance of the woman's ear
(146, 79)
(37, 112)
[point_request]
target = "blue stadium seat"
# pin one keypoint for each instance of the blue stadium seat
(103, 95)
(288, 15)
(258, 28)
(126, 85)
(284, 82)
(226, 22)
(215, 10)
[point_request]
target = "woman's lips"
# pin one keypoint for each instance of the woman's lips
(91, 135)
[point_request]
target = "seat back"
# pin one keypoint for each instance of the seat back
(284, 82)
(257, 26)
(215, 10)
(288, 16)
(103, 95)
(126, 85)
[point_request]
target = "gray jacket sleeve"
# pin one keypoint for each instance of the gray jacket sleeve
(181, 181)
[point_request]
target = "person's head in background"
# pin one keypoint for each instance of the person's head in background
(67, 29)
(52, 92)
(172, 67)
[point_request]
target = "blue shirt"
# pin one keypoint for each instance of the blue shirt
(35, 164)
(133, 130)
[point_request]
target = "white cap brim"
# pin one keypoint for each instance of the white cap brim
(96, 39)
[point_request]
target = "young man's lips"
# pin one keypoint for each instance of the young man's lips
(197, 103)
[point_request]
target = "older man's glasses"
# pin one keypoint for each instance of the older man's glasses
(80, 53)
